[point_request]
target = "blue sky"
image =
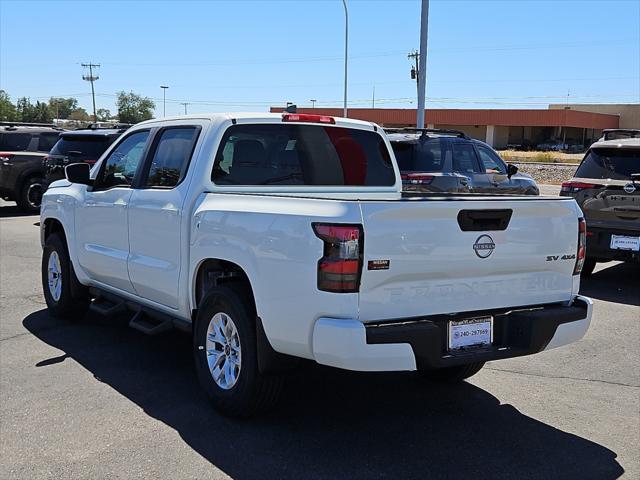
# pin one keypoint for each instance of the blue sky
(247, 55)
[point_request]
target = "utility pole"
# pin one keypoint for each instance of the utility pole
(92, 78)
(373, 98)
(422, 66)
(185, 106)
(164, 99)
(313, 103)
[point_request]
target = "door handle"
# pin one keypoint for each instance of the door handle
(120, 203)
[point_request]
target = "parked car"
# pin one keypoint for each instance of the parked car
(22, 148)
(76, 146)
(561, 147)
(275, 238)
(435, 160)
(606, 185)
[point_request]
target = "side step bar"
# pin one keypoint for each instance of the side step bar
(150, 325)
(146, 320)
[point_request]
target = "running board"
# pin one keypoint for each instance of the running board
(150, 325)
(107, 308)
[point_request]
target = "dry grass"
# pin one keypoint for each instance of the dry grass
(542, 157)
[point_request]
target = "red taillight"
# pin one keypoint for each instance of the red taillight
(582, 246)
(416, 178)
(307, 117)
(340, 267)
(575, 187)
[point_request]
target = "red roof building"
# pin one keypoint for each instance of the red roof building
(499, 128)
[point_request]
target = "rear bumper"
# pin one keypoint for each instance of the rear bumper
(599, 244)
(422, 343)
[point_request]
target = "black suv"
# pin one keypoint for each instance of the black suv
(436, 160)
(22, 147)
(79, 146)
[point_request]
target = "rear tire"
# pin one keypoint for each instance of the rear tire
(588, 267)
(30, 194)
(64, 294)
(225, 353)
(452, 374)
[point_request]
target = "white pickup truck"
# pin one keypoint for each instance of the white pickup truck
(275, 238)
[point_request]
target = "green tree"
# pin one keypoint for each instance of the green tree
(7, 108)
(38, 113)
(41, 113)
(133, 108)
(103, 114)
(24, 110)
(62, 107)
(79, 114)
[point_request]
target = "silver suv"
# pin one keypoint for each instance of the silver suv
(606, 185)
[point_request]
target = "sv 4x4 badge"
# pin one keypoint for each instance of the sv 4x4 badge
(553, 258)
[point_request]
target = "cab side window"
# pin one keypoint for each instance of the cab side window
(464, 158)
(491, 162)
(171, 157)
(119, 169)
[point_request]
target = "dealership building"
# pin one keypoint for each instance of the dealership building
(574, 124)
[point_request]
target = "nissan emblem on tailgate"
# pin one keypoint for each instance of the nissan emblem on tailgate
(484, 246)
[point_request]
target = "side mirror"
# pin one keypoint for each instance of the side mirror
(78, 173)
(511, 170)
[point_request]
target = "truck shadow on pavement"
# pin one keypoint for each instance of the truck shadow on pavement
(9, 210)
(330, 424)
(616, 282)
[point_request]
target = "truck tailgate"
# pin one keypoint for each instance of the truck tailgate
(419, 261)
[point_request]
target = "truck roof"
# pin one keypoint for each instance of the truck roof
(256, 116)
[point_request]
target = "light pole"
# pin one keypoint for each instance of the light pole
(422, 65)
(346, 51)
(164, 99)
(313, 103)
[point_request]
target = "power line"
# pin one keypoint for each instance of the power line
(494, 48)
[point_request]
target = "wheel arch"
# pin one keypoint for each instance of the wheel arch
(24, 175)
(212, 272)
(50, 226)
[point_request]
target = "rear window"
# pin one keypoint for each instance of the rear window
(421, 156)
(277, 154)
(14, 141)
(81, 148)
(614, 163)
(46, 141)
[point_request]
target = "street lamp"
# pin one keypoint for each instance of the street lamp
(346, 44)
(164, 99)
(313, 103)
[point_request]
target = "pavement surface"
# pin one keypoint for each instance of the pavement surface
(92, 399)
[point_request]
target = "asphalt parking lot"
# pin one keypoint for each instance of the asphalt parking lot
(86, 398)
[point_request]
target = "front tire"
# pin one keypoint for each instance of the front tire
(225, 353)
(64, 294)
(30, 194)
(452, 374)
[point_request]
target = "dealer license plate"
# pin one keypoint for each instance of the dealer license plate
(623, 242)
(471, 332)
